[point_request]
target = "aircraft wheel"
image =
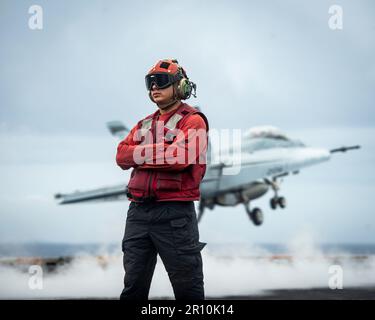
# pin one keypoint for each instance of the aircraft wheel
(282, 202)
(273, 203)
(256, 216)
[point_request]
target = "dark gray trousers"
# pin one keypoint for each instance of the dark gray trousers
(169, 229)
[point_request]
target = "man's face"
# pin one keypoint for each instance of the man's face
(162, 96)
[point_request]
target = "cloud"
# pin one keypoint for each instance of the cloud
(276, 63)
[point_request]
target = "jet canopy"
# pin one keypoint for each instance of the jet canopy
(270, 132)
(267, 137)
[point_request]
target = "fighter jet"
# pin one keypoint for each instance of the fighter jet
(263, 157)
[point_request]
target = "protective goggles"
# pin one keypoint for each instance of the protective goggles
(161, 80)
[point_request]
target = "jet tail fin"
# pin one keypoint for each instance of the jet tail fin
(117, 129)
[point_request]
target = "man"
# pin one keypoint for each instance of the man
(167, 152)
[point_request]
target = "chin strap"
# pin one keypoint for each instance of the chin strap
(170, 104)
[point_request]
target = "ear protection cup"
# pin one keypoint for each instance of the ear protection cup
(184, 89)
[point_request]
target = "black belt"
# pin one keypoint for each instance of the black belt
(142, 199)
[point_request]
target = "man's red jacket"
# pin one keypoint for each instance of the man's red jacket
(168, 161)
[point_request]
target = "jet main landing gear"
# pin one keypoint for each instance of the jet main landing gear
(255, 215)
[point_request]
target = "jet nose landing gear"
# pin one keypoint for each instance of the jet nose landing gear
(277, 201)
(282, 202)
(255, 215)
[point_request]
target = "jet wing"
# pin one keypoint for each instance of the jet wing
(112, 193)
(267, 164)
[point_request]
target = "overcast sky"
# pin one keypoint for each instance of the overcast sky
(255, 63)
